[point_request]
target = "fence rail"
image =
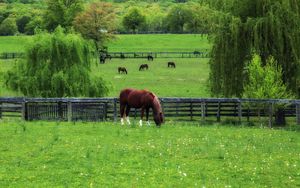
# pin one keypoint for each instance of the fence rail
(204, 53)
(107, 109)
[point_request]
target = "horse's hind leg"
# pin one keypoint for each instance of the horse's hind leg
(127, 114)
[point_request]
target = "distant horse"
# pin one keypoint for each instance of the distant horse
(150, 58)
(143, 67)
(171, 64)
(102, 59)
(122, 70)
(132, 98)
(122, 56)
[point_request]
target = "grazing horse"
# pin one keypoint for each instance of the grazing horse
(143, 67)
(150, 58)
(102, 59)
(122, 70)
(171, 64)
(132, 98)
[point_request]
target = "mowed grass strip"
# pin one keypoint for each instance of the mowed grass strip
(188, 79)
(159, 43)
(128, 43)
(14, 43)
(38, 154)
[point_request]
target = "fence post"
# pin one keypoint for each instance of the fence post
(298, 113)
(270, 115)
(24, 110)
(218, 113)
(240, 111)
(115, 109)
(191, 110)
(203, 111)
(69, 108)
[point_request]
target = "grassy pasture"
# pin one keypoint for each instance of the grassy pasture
(189, 79)
(42, 154)
(13, 43)
(159, 43)
(128, 43)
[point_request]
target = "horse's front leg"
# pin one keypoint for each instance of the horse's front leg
(147, 116)
(142, 115)
(127, 114)
(122, 110)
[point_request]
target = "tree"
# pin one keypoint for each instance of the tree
(265, 82)
(56, 65)
(134, 20)
(177, 18)
(8, 27)
(269, 28)
(61, 12)
(22, 22)
(97, 23)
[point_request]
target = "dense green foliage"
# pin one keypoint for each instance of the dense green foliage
(269, 28)
(97, 23)
(56, 65)
(43, 154)
(134, 20)
(157, 16)
(61, 12)
(265, 82)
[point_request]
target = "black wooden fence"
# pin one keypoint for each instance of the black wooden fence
(107, 109)
(11, 55)
(204, 53)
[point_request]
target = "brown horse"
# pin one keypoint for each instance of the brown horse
(132, 98)
(122, 70)
(171, 64)
(143, 67)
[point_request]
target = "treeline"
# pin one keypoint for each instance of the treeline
(153, 16)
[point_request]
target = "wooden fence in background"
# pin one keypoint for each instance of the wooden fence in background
(11, 55)
(107, 109)
(197, 54)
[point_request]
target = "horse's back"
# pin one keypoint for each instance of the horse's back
(135, 98)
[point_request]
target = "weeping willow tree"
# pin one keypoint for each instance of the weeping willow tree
(56, 65)
(266, 27)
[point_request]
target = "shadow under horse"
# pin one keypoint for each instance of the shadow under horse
(143, 67)
(171, 64)
(122, 70)
(140, 99)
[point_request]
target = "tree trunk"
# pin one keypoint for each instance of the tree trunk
(280, 117)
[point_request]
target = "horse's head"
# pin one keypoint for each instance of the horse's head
(157, 112)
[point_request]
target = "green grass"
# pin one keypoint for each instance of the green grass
(128, 43)
(159, 43)
(40, 154)
(13, 43)
(189, 79)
